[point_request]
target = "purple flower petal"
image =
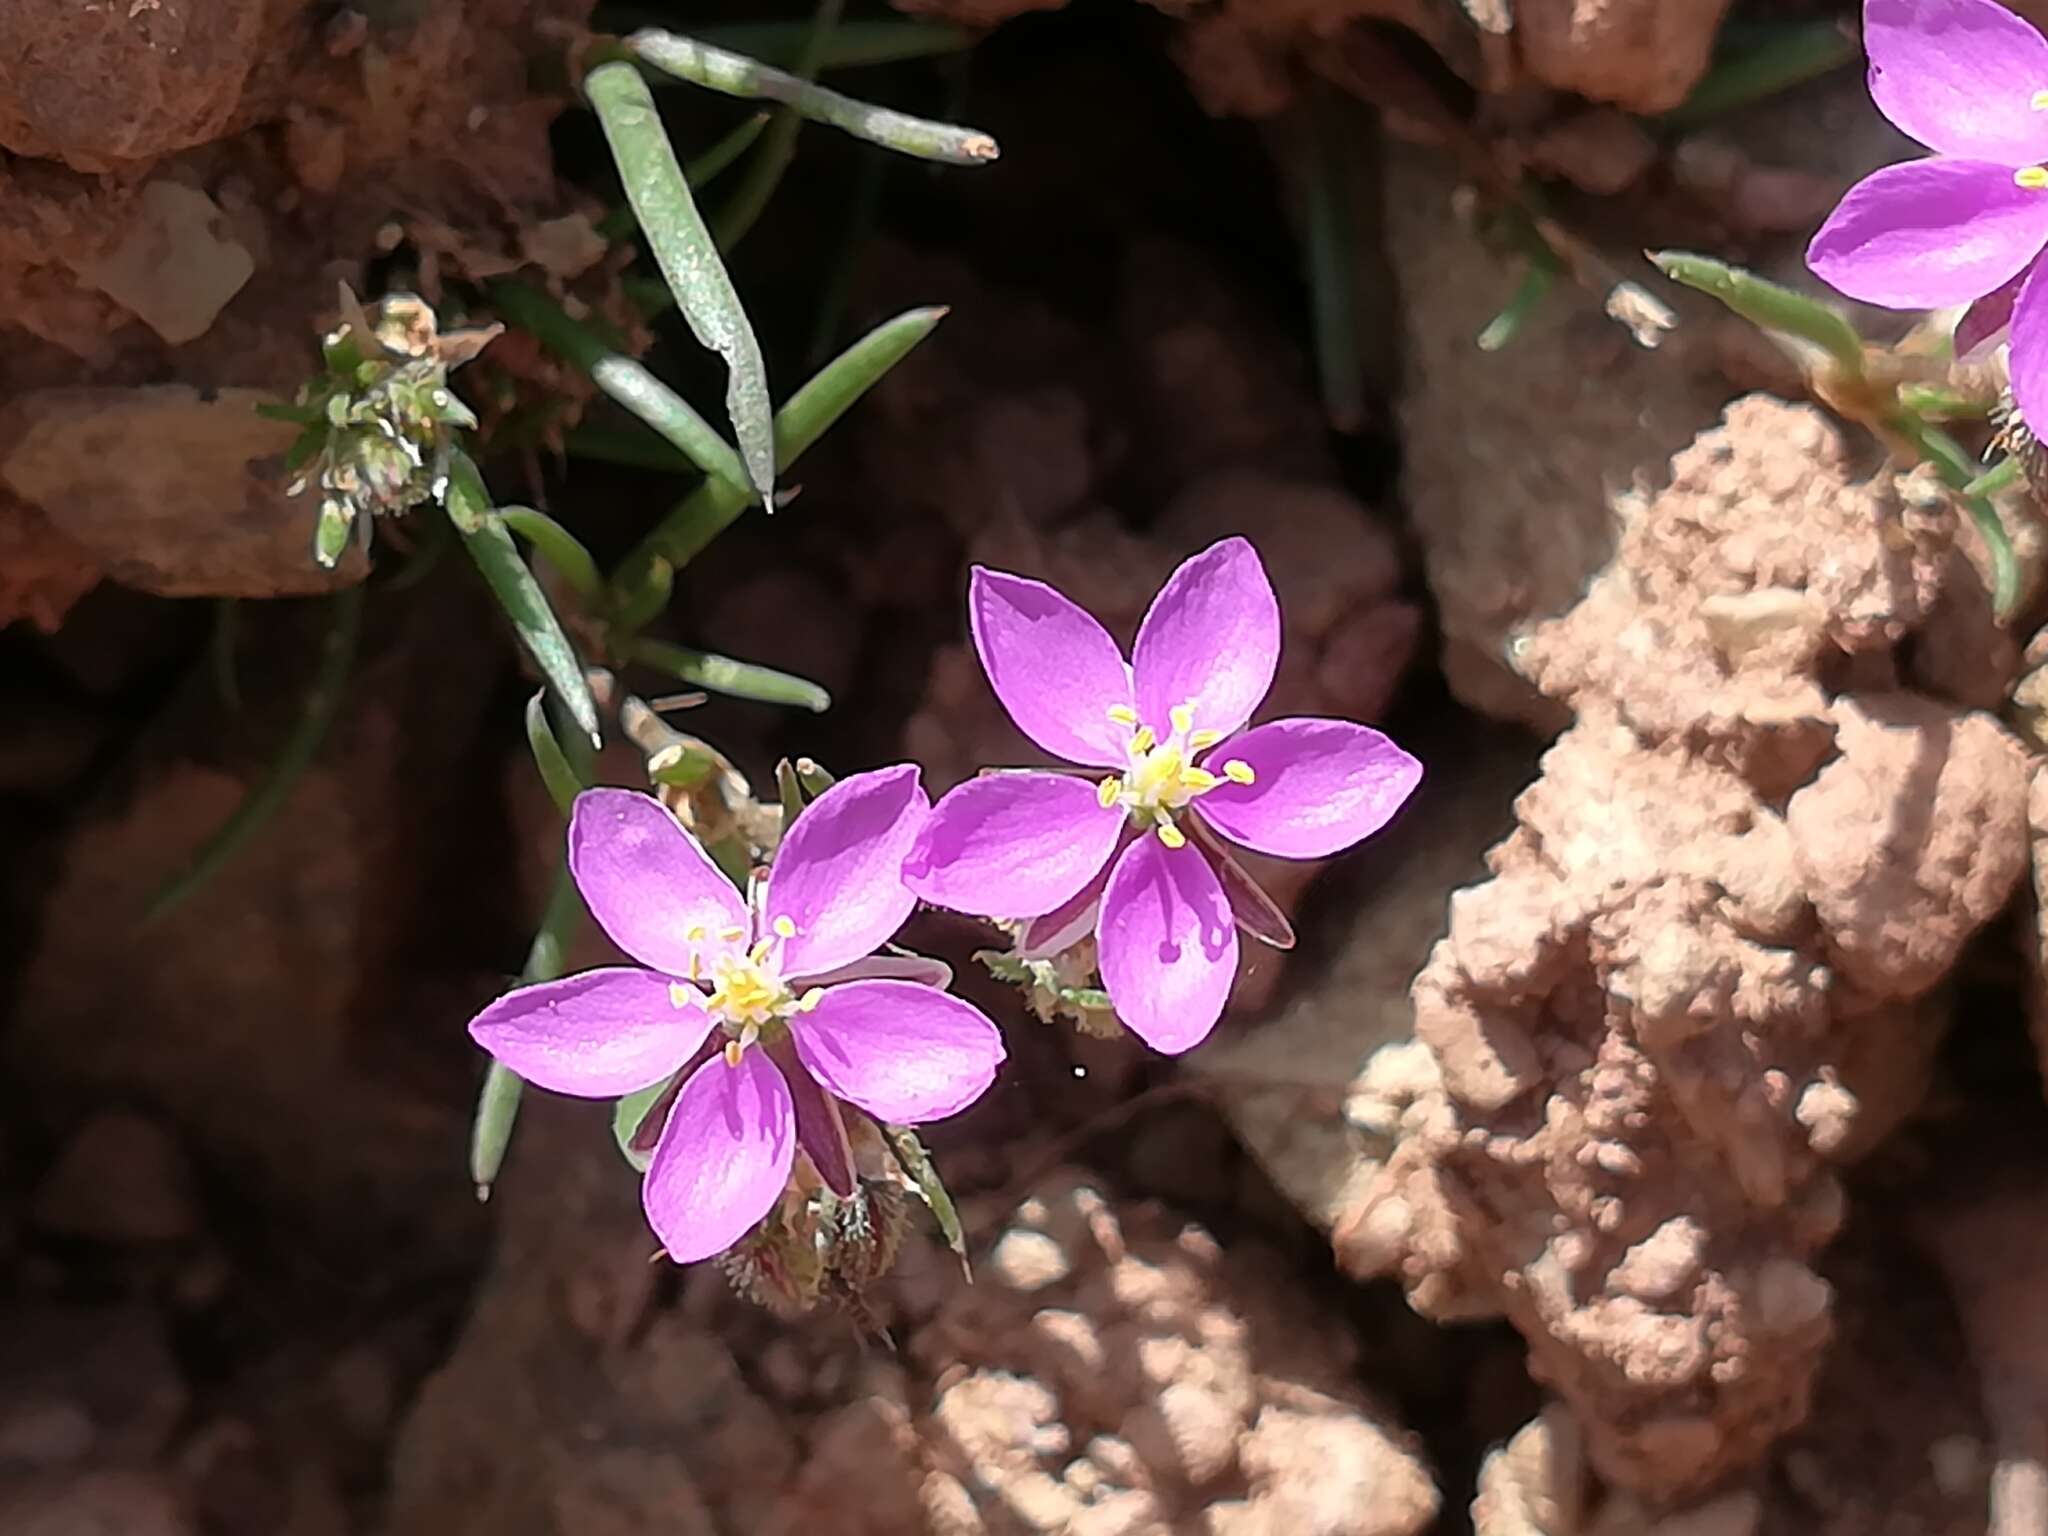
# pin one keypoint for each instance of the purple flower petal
(1251, 908)
(903, 1053)
(922, 969)
(723, 1159)
(1166, 944)
(1959, 76)
(820, 1128)
(1317, 786)
(838, 877)
(648, 883)
(597, 1035)
(1929, 233)
(1211, 640)
(1012, 844)
(2030, 350)
(1055, 669)
(1987, 320)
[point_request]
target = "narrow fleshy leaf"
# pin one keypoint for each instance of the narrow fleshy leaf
(736, 679)
(561, 548)
(689, 260)
(1167, 944)
(904, 1053)
(650, 885)
(561, 779)
(1210, 640)
(1770, 305)
(497, 557)
(719, 70)
(924, 1178)
(1013, 844)
(837, 885)
(723, 1158)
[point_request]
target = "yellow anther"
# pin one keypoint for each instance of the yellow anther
(1172, 836)
(1238, 771)
(1200, 780)
(759, 953)
(1142, 742)
(1183, 718)
(2032, 177)
(696, 967)
(732, 935)
(1123, 714)
(784, 928)
(694, 933)
(1204, 738)
(680, 996)
(810, 1000)
(733, 1051)
(1107, 791)
(2040, 101)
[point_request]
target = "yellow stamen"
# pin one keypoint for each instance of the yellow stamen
(1123, 714)
(733, 1051)
(1238, 771)
(680, 996)
(694, 933)
(1172, 836)
(2032, 177)
(1107, 791)
(1204, 738)
(732, 935)
(696, 967)
(759, 953)
(2040, 101)
(1142, 742)
(1200, 780)
(784, 928)
(810, 1000)
(1183, 718)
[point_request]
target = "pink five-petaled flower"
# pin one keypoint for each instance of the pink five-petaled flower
(1968, 79)
(1133, 853)
(771, 1016)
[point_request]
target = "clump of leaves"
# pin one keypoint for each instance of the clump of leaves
(377, 424)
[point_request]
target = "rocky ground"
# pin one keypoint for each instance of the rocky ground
(1647, 1134)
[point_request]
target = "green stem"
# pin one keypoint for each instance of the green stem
(1333, 264)
(735, 75)
(1956, 467)
(316, 717)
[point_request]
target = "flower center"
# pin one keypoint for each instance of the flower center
(749, 995)
(1162, 778)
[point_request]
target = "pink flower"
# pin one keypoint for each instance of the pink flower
(773, 1016)
(1131, 854)
(1968, 79)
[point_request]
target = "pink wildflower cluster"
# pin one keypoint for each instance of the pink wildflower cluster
(768, 1015)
